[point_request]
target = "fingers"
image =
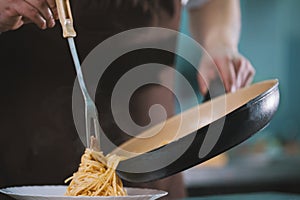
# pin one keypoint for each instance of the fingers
(239, 66)
(26, 20)
(15, 13)
(43, 8)
(28, 11)
(244, 70)
(207, 73)
(235, 73)
(202, 85)
(52, 6)
(227, 73)
(210, 70)
(249, 79)
(18, 23)
(37, 11)
(12, 21)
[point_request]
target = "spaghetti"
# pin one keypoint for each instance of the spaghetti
(96, 176)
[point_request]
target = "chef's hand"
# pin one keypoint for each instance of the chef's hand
(15, 13)
(235, 70)
(216, 25)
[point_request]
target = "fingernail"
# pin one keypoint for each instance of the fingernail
(44, 26)
(233, 88)
(52, 23)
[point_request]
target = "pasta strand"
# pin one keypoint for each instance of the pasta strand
(96, 176)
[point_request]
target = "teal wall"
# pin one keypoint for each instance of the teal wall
(270, 38)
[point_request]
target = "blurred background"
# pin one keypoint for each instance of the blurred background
(269, 161)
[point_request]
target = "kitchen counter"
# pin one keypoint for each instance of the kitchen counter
(254, 174)
(255, 196)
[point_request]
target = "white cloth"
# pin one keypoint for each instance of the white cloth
(193, 3)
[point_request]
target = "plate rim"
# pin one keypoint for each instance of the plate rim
(159, 193)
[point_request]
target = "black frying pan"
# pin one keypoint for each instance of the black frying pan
(247, 111)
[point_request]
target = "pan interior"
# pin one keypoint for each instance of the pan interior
(191, 120)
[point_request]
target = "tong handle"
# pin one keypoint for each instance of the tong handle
(65, 18)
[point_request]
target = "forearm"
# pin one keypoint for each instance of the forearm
(217, 24)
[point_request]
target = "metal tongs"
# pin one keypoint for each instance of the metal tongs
(91, 114)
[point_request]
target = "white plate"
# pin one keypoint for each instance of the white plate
(57, 193)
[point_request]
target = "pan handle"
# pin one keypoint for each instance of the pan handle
(65, 18)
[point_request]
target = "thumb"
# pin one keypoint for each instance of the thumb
(203, 85)
(207, 73)
(18, 22)
(26, 20)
